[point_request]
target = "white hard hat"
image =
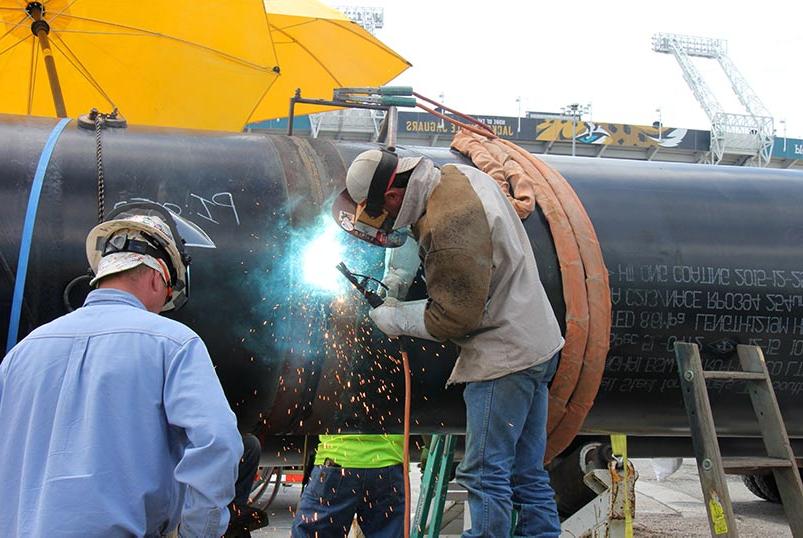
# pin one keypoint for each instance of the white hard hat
(361, 172)
(144, 233)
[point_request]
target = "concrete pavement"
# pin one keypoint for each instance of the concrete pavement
(668, 508)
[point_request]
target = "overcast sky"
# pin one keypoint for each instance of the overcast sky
(483, 55)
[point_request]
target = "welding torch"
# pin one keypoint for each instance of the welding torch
(361, 285)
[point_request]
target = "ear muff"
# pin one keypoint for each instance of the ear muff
(383, 178)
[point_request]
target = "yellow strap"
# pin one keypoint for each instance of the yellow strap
(619, 446)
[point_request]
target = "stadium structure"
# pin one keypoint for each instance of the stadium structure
(739, 138)
(544, 133)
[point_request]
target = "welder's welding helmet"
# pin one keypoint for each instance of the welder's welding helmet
(359, 209)
(147, 233)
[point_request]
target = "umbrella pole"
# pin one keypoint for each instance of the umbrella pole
(40, 29)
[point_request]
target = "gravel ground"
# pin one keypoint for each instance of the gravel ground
(668, 508)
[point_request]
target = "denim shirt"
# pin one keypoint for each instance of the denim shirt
(113, 423)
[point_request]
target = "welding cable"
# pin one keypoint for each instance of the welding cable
(65, 296)
(27, 232)
(575, 297)
(406, 460)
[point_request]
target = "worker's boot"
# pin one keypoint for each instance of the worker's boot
(243, 520)
(253, 518)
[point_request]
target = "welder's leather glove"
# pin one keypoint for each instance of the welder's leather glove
(401, 266)
(396, 318)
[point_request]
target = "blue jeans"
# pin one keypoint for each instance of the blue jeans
(504, 462)
(335, 494)
(247, 470)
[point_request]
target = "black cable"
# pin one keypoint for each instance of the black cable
(68, 288)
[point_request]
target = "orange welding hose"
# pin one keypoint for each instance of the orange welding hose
(406, 465)
(455, 112)
(599, 301)
(484, 131)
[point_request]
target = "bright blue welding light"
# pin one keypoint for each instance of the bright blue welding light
(319, 258)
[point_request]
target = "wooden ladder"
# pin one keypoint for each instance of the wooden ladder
(711, 465)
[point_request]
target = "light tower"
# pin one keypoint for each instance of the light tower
(353, 120)
(575, 111)
(370, 18)
(748, 134)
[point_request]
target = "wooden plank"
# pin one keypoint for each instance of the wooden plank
(704, 440)
(765, 404)
(735, 376)
(776, 439)
(742, 465)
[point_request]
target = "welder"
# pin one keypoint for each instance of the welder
(484, 295)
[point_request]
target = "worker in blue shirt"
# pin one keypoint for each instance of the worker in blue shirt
(112, 420)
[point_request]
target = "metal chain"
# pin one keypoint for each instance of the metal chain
(99, 153)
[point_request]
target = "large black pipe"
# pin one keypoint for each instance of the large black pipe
(699, 253)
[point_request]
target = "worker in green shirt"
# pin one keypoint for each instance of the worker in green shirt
(354, 475)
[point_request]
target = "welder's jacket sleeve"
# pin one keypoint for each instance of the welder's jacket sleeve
(482, 278)
(456, 240)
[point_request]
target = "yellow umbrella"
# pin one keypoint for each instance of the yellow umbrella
(319, 49)
(187, 63)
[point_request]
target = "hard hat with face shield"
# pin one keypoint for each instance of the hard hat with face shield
(146, 234)
(359, 208)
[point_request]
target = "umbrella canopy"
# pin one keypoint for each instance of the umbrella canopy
(185, 63)
(319, 49)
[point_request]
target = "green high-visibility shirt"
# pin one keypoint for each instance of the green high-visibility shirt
(361, 451)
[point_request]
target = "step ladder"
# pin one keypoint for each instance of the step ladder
(434, 489)
(434, 486)
(608, 515)
(711, 465)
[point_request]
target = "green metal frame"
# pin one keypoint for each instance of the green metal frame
(435, 485)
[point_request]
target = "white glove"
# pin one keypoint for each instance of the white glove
(401, 266)
(396, 318)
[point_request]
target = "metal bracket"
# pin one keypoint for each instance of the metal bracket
(337, 103)
(605, 515)
(379, 98)
(114, 119)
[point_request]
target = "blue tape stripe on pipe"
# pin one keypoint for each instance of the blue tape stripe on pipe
(27, 232)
